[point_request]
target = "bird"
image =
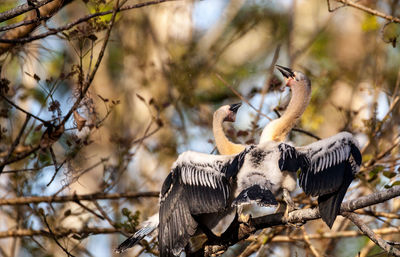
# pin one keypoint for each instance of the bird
(202, 186)
(225, 113)
(326, 167)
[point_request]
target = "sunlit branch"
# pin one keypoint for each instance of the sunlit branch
(70, 198)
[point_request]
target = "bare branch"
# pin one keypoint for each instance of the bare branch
(55, 237)
(369, 10)
(21, 9)
(68, 26)
(60, 232)
(240, 96)
(301, 216)
(331, 235)
(15, 143)
(71, 198)
(368, 232)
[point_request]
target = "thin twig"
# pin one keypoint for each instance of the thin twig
(265, 88)
(308, 242)
(15, 143)
(68, 26)
(370, 233)
(369, 10)
(52, 235)
(22, 110)
(9, 14)
(334, 235)
(88, 209)
(240, 96)
(71, 198)
(88, 81)
(60, 232)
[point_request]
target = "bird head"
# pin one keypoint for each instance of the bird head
(231, 112)
(294, 78)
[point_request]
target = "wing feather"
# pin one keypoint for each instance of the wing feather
(325, 173)
(332, 165)
(198, 184)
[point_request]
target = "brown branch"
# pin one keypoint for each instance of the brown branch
(368, 10)
(379, 214)
(370, 233)
(47, 11)
(55, 237)
(72, 198)
(331, 235)
(22, 110)
(15, 143)
(265, 88)
(302, 216)
(22, 155)
(89, 80)
(240, 96)
(68, 26)
(305, 132)
(21, 9)
(59, 232)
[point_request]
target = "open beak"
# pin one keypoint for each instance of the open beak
(286, 72)
(235, 107)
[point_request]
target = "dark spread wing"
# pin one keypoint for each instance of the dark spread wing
(198, 184)
(326, 168)
(329, 170)
(291, 159)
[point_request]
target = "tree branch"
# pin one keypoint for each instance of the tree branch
(72, 198)
(331, 235)
(21, 9)
(368, 10)
(244, 230)
(15, 143)
(25, 39)
(368, 232)
(59, 232)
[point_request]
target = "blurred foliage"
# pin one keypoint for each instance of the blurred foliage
(153, 98)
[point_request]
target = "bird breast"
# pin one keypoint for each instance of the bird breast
(261, 168)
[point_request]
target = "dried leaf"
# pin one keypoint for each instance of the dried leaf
(80, 121)
(50, 136)
(36, 77)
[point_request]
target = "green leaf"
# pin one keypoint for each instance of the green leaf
(370, 23)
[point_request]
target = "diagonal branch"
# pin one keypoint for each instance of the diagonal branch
(370, 233)
(21, 9)
(300, 216)
(15, 143)
(368, 10)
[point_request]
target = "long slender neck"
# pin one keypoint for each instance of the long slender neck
(224, 146)
(278, 129)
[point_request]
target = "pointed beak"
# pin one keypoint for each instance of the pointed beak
(286, 72)
(235, 107)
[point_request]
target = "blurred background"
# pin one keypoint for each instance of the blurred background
(167, 67)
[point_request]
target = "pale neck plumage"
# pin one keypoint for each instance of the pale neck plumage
(224, 146)
(278, 129)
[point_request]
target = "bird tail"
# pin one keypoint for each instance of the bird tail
(329, 204)
(148, 227)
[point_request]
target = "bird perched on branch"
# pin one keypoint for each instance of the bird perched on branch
(202, 189)
(327, 167)
(226, 113)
